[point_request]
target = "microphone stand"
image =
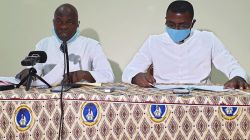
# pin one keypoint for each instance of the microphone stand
(68, 80)
(65, 47)
(68, 84)
(65, 53)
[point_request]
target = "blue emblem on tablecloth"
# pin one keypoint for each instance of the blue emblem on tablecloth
(158, 112)
(90, 113)
(23, 118)
(230, 112)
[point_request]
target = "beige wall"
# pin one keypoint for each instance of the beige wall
(120, 25)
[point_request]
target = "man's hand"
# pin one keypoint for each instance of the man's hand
(237, 83)
(144, 79)
(24, 73)
(77, 76)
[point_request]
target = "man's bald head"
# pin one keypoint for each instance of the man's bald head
(66, 10)
(65, 21)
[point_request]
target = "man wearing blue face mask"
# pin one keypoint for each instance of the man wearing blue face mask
(87, 61)
(182, 54)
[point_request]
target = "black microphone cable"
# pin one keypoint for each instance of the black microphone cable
(61, 96)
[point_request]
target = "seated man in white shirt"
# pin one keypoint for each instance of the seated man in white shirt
(182, 54)
(87, 61)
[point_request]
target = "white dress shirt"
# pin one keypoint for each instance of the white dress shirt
(84, 54)
(189, 62)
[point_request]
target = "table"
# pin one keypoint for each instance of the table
(135, 113)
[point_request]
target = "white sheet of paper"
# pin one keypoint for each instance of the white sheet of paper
(192, 87)
(89, 84)
(10, 80)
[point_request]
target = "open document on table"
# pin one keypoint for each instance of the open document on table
(192, 87)
(7, 83)
(12, 80)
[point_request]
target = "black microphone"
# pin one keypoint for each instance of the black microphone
(34, 57)
(63, 49)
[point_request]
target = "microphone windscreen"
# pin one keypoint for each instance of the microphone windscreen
(42, 54)
(62, 48)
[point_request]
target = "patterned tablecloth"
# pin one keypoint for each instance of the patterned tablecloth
(126, 113)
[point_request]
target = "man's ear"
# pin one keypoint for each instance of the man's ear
(54, 24)
(194, 20)
(78, 23)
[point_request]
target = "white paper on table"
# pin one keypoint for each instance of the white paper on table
(193, 87)
(89, 84)
(10, 80)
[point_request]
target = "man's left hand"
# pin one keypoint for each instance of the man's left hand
(77, 76)
(237, 83)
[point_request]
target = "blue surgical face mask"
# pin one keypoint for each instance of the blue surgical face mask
(73, 38)
(178, 35)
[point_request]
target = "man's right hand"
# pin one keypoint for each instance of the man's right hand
(24, 73)
(143, 79)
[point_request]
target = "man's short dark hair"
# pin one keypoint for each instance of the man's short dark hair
(181, 6)
(69, 6)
